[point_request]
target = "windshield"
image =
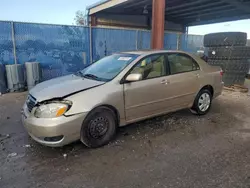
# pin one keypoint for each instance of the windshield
(109, 67)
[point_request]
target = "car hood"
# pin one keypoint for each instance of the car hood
(61, 87)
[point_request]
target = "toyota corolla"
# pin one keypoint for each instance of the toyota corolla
(117, 90)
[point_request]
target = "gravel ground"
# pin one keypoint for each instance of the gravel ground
(176, 150)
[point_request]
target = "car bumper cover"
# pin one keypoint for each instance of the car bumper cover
(53, 132)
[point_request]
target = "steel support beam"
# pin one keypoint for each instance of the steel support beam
(239, 5)
(143, 3)
(189, 4)
(210, 13)
(199, 10)
(105, 5)
(158, 23)
(217, 20)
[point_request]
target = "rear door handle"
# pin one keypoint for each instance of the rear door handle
(165, 82)
(197, 75)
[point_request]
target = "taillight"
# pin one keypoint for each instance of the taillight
(221, 72)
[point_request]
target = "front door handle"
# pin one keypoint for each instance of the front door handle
(165, 82)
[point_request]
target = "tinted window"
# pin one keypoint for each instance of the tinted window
(107, 68)
(151, 67)
(179, 63)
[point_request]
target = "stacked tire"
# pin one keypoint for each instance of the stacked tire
(229, 51)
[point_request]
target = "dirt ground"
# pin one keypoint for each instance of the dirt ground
(176, 150)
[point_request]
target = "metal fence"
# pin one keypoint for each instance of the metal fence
(65, 49)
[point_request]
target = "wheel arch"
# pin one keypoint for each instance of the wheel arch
(110, 107)
(194, 108)
(208, 87)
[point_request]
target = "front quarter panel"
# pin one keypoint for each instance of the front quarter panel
(110, 94)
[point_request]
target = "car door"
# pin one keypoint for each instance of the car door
(184, 80)
(146, 97)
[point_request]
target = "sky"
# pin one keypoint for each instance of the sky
(63, 12)
(42, 11)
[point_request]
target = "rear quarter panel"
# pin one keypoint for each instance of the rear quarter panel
(210, 75)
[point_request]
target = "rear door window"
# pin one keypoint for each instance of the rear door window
(180, 63)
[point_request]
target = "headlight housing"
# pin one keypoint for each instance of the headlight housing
(52, 109)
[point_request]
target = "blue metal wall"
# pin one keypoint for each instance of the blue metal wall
(60, 49)
(170, 41)
(143, 40)
(191, 43)
(65, 49)
(108, 41)
(6, 46)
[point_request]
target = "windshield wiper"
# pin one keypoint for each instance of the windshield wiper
(91, 76)
(79, 73)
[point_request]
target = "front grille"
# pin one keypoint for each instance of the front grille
(31, 102)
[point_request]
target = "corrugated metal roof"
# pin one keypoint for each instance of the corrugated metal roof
(186, 12)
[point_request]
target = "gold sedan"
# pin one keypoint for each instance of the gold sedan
(118, 90)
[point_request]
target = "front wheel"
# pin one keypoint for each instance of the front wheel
(202, 102)
(99, 128)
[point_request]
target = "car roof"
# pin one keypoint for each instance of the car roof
(148, 52)
(202, 63)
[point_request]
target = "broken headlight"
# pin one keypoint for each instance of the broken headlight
(52, 109)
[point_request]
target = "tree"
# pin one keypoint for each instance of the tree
(80, 18)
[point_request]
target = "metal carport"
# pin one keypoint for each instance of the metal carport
(158, 13)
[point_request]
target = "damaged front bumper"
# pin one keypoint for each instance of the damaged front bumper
(53, 132)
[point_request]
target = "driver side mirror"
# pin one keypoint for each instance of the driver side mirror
(134, 77)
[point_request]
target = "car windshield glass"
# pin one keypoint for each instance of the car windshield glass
(107, 68)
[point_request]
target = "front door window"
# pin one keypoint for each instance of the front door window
(151, 67)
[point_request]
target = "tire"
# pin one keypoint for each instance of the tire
(99, 128)
(237, 67)
(232, 53)
(216, 62)
(225, 39)
(197, 105)
(231, 65)
(231, 78)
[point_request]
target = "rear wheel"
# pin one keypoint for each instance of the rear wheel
(202, 102)
(99, 128)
